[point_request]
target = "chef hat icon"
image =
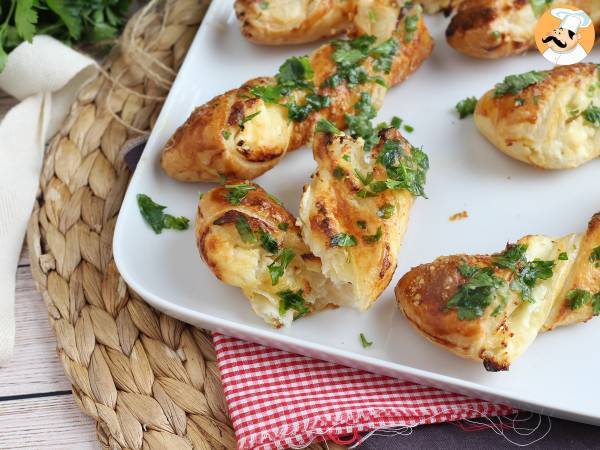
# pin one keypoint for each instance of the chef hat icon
(571, 20)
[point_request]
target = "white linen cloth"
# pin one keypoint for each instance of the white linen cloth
(46, 75)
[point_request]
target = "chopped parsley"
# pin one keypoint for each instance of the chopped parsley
(374, 237)
(580, 297)
(409, 128)
(359, 125)
(363, 341)
(339, 173)
(346, 157)
(563, 256)
(396, 122)
(364, 179)
(279, 264)
(527, 273)
(476, 293)
(411, 23)
(404, 170)
(237, 192)
(349, 56)
(226, 134)
(295, 73)
(595, 256)
(592, 115)
(386, 211)
(343, 240)
(513, 84)
(154, 215)
(539, 6)
(325, 126)
(245, 231)
(466, 107)
(267, 241)
(283, 226)
(247, 119)
(292, 300)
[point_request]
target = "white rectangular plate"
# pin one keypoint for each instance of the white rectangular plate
(505, 200)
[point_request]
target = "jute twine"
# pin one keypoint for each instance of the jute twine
(148, 380)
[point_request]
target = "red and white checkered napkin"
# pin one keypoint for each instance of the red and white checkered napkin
(278, 399)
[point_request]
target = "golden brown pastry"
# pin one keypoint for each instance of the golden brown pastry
(552, 123)
(355, 210)
(498, 28)
(246, 131)
(278, 22)
(491, 308)
(250, 241)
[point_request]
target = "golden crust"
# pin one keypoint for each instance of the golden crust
(212, 144)
(244, 264)
(330, 206)
(280, 22)
(508, 325)
(584, 275)
(497, 28)
(543, 125)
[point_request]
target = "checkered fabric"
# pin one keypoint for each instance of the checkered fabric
(278, 399)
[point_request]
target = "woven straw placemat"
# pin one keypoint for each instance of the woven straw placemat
(148, 380)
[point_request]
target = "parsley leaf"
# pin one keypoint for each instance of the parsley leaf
(363, 341)
(342, 240)
(283, 226)
(269, 93)
(374, 237)
(386, 211)
(339, 173)
(578, 298)
(325, 126)
(237, 192)
(267, 241)
(411, 23)
(595, 255)
(539, 6)
(513, 84)
(292, 300)
(466, 107)
(245, 231)
(295, 73)
(360, 124)
(279, 264)
(563, 256)
(247, 119)
(312, 102)
(154, 215)
(25, 19)
(226, 134)
(476, 293)
(592, 115)
(404, 170)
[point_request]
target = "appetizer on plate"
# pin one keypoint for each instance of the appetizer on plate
(278, 22)
(355, 210)
(549, 119)
(498, 28)
(249, 240)
(491, 308)
(246, 131)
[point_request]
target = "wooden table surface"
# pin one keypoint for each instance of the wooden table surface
(36, 406)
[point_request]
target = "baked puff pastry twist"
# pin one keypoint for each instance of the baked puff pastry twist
(355, 210)
(494, 29)
(491, 308)
(250, 241)
(549, 119)
(246, 131)
(279, 22)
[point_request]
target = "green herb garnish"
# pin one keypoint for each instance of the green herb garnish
(580, 297)
(244, 230)
(325, 126)
(361, 224)
(519, 101)
(339, 173)
(342, 240)
(539, 6)
(292, 300)
(226, 134)
(237, 192)
(404, 170)
(312, 102)
(363, 341)
(409, 128)
(396, 122)
(374, 237)
(154, 215)
(386, 211)
(279, 264)
(267, 241)
(247, 119)
(359, 125)
(513, 84)
(263, 4)
(466, 107)
(476, 293)
(563, 256)
(592, 115)
(283, 226)
(411, 23)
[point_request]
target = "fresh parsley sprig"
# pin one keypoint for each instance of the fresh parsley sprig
(154, 215)
(513, 84)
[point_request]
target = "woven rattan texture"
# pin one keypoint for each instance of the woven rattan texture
(148, 380)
